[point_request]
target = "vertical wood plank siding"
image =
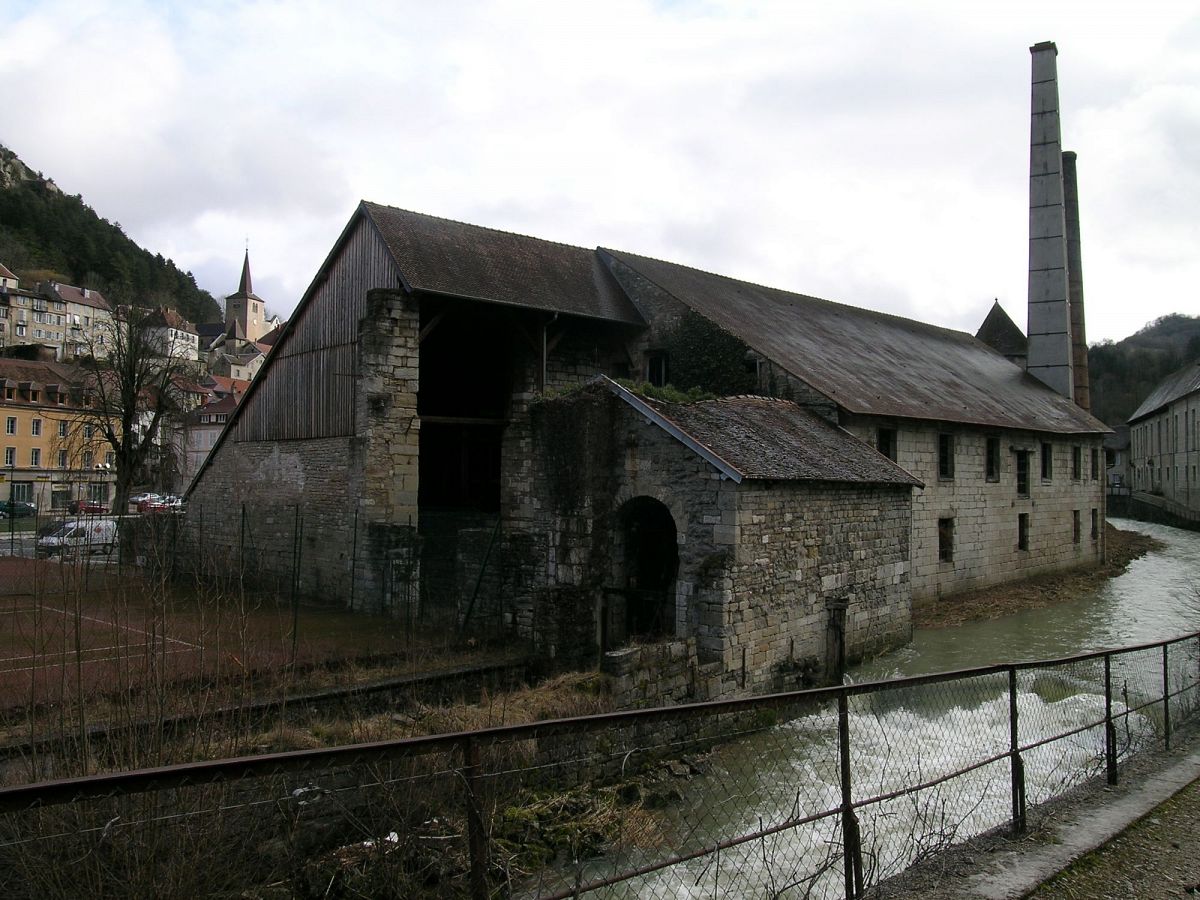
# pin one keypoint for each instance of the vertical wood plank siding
(308, 389)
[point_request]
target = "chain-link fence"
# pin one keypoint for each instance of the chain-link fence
(816, 793)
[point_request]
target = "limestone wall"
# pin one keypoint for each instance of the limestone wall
(986, 513)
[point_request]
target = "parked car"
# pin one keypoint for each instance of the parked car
(168, 503)
(143, 501)
(86, 507)
(16, 509)
(79, 536)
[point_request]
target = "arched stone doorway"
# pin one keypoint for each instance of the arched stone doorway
(645, 566)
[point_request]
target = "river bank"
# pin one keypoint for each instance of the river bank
(1123, 547)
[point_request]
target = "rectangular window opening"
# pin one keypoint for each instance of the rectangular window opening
(1047, 462)
(945, 455)
(885, 442)
(1023, 531)
(992, 463)
(946, 540)
(1076, 529)
(1076, 463)
(1023, 473)
(1095, 524)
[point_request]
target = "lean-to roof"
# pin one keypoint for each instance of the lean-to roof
(763, 438)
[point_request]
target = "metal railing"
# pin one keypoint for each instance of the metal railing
(812, 793)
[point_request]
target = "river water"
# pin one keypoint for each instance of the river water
(1156, 598)
(904, 737)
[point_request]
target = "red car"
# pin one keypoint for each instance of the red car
(86, 507)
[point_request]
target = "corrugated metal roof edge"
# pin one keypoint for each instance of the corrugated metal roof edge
(938, 329)
(369, 205)
(1170, 397)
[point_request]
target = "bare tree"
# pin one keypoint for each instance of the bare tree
(130, 389)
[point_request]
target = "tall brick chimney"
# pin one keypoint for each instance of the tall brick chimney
(1049, 331)
(1079, 356)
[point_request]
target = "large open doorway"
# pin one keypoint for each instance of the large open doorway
(466, 368)
(641, 602)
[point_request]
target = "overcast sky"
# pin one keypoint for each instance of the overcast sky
(870, 153)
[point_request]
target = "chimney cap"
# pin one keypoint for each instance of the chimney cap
(1069, 154)
(1044, 45)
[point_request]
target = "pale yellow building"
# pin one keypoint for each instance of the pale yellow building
(52, 454)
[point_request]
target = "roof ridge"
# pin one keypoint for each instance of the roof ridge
(532, 237)
(926, 326)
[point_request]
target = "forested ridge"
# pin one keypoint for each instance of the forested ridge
(48, 235)
(1124, 373)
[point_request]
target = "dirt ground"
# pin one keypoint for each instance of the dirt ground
(1122, 547)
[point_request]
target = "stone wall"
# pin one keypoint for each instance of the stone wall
(759, 563)
(344, 497)
(985, 513)
(802, 551)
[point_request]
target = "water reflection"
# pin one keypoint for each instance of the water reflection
(1157, 598)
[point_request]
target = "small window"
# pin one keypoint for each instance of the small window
(109, 458)
(62, 459)
(1076, 528)
(992, 462)
(1023, 531)
(945, 455)
(62, 429)
(35, 457)
(1076, 463)
(35, 427)
(1022, 473)
(946, 540)
(87, 459)
(1095, 464)
(1047, 462)
(10, 425)
(10, 456)
(87, 431)
(656, 368)
(885, 442)
(1095, 524)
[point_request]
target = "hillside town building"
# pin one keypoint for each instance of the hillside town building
(1164, 443)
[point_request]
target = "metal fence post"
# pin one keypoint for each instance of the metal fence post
(1017, 764)
(851, 845)
(1166, 699)
(477, 845)
(1110, 730)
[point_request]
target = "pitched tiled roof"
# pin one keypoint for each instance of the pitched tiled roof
(21, 370)
(168, 318)
(5, 272)
(767, 439)
(1001, 333)
(69, 293)
(448, 257)
(870, 362)
(1177, 384)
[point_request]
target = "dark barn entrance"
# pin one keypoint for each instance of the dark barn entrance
(466, 378)
(646, 562)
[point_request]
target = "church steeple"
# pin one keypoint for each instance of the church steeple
(245, 310)
(245, 288)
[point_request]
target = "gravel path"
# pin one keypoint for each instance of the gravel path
(1156, 857)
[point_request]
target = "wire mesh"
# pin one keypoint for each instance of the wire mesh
(812, 794)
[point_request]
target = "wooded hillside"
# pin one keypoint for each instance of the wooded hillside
(1123, 373)
(46, 234)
